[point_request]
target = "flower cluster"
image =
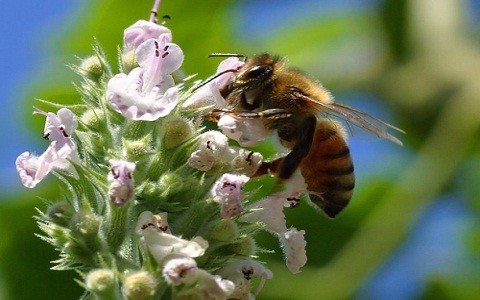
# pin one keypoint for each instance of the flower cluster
(154, 204)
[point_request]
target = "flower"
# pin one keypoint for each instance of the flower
(270, 212)
(120, 181)
(161, 244)
(143, 30)
(245, 162)
(148, 92)
(210, 287)
(208, 95)
(240, 272)
(182, 270)
(213, 148)
(293, 244)
(158, 221)
(227, 192)
(58, 129)
(247, 132)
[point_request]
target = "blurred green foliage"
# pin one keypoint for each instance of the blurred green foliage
(426, 70)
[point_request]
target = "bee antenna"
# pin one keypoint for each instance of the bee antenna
(243, 56)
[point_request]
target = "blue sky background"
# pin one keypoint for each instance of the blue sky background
(27, 27)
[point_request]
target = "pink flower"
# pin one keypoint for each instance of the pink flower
(227, 192)
(148, 92)
(143, 30)
(120, 181)
(58, 129)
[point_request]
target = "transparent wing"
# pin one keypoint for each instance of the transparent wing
(356, 117)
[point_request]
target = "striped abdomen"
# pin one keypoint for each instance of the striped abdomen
(328, 169)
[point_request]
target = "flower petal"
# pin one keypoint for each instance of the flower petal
(293, 244)
(143, 30)
(158, 58)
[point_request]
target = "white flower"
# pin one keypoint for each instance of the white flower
(240, 272)
(208, 95)
(148, 219)
(211, 287)
(270, 212)
(58, 129)
(143, 30)
(293, 244)
(181, 270)
(120, 181)
(161, 244)
(212, 148)
(247, 132)
(60, 126)
(148, 92)
(227, 192)
(245, 162)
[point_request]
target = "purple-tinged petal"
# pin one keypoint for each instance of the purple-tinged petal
(157, 58)
(120, 181)
(143, 30)
(231, 63)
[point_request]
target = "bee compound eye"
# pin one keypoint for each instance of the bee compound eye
(258, 71)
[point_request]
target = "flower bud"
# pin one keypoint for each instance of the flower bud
(224, 230)
(129, 61)
(60, 213)
(176, 131)
(245, 246)
(101, 282)
(86, 224)
(91, 67)
(139, 286)
(94, 119)
(137, 149)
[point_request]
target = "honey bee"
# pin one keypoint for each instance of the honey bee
(300, 111)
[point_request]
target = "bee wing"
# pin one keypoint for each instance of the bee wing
(357, 117)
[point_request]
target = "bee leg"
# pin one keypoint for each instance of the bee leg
(285, 166)
(304, 139)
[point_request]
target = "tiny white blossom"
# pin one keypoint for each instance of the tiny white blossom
(247, 132)
(245, 162)
(212, 286)
(120, 181)
(240, 272)
(270, 212)
(212, 148)
(158, 221)
(161, 244)
(293, 244)
(181, 270)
